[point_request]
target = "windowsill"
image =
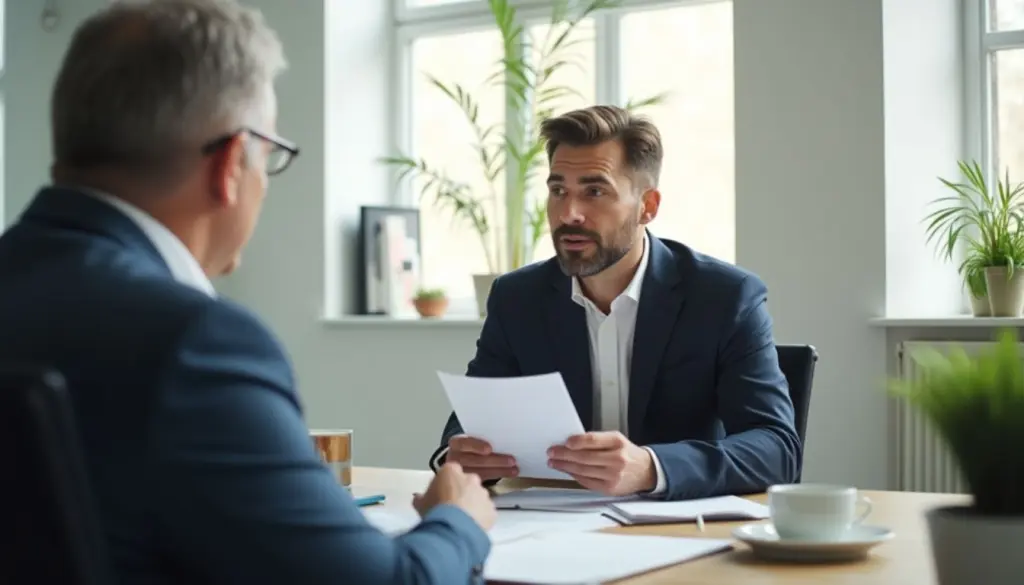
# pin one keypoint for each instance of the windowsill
(952, 321)
(381, 321)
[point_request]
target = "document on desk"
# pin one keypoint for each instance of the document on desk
(510, 526)
(521, 417)
(558, 500)
(575, 558)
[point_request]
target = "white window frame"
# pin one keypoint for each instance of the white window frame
(412, 22)
(980, 45)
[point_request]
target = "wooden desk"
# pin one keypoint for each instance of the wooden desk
(904, 560)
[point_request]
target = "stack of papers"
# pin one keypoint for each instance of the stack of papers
(558, 500)
(522, 417)
(511, 525)
(725, 508)
(573, 558)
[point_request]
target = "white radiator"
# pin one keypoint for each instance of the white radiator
(923, 464)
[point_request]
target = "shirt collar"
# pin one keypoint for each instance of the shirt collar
(634, 287)
(183, 265)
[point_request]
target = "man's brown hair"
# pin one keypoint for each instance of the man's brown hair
(640, 138)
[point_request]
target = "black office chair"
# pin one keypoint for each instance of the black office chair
(797, 364)
(48, 521)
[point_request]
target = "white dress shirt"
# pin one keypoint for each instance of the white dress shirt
(611, 355)
(182, 264)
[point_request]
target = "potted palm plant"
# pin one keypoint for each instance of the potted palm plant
(509, 154)
(976, 404)
(990, 226)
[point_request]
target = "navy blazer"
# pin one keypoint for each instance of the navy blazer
(192, 430)
(705, 389)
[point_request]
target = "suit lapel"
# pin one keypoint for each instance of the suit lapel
(567, 323)
(660, 302)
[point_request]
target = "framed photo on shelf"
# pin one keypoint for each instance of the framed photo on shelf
(389, 254)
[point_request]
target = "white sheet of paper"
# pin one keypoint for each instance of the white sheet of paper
(511, 525)
(718, 508)
(521, 417)
(557, 499)
(573, 558)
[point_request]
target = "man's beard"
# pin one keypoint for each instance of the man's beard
(577, 263)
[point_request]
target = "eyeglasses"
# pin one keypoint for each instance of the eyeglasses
(280, 156)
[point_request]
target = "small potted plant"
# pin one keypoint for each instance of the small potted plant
(430, 302)
(990, 224)
(976, 404)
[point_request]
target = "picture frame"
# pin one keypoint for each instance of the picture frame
(389, 260)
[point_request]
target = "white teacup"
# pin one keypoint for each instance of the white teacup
(816, 512)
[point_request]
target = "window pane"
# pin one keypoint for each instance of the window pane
(578, 76)
(688, 51)
(442, 135)
(1008, 113)
(1006, 14)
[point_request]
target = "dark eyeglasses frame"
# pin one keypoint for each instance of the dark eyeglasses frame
(290, 147)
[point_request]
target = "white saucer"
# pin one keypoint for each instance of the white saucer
(766, 544)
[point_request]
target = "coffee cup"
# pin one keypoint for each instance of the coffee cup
(816, 512)
(335, 449)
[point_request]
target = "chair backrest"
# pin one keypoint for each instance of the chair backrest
(47, 514)
(797, 364)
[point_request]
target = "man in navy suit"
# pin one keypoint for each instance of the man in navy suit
(668, 354)
(203, 469)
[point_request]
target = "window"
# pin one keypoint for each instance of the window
(997, 63)
(694, 45)
(683, 49)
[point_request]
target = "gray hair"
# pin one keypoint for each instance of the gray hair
(144, 78)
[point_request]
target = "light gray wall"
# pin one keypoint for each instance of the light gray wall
(810, 214)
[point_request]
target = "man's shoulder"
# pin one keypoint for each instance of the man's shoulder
(708, 273)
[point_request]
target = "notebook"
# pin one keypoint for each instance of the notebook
(586, 558)
(723, 508)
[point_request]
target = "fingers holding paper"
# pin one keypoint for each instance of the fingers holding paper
(476, 456)
(606, 462)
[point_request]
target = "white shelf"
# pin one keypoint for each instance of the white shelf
(377, 321)
(952, 321)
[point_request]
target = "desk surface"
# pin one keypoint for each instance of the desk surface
(904, 560)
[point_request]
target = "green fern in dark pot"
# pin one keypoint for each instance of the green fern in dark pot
(975, 403)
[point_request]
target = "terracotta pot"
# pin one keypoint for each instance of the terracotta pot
(432, 307)
(971, 549)
(1005, 295)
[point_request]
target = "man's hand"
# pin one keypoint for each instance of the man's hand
(453, 486)
(476, 456)
(606, 462)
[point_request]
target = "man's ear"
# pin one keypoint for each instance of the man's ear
(650, 201)
(226, 170)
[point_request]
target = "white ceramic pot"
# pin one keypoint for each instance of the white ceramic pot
(971, 549)
(482, 285)
(980, 306)
(1005, 293)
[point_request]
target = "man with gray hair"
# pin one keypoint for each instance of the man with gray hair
(203, 470)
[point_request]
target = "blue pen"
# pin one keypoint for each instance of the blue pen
(370, 500)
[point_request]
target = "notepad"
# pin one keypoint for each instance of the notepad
(574, 558)
(558, 500)
(723, 508)
(522, 417)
